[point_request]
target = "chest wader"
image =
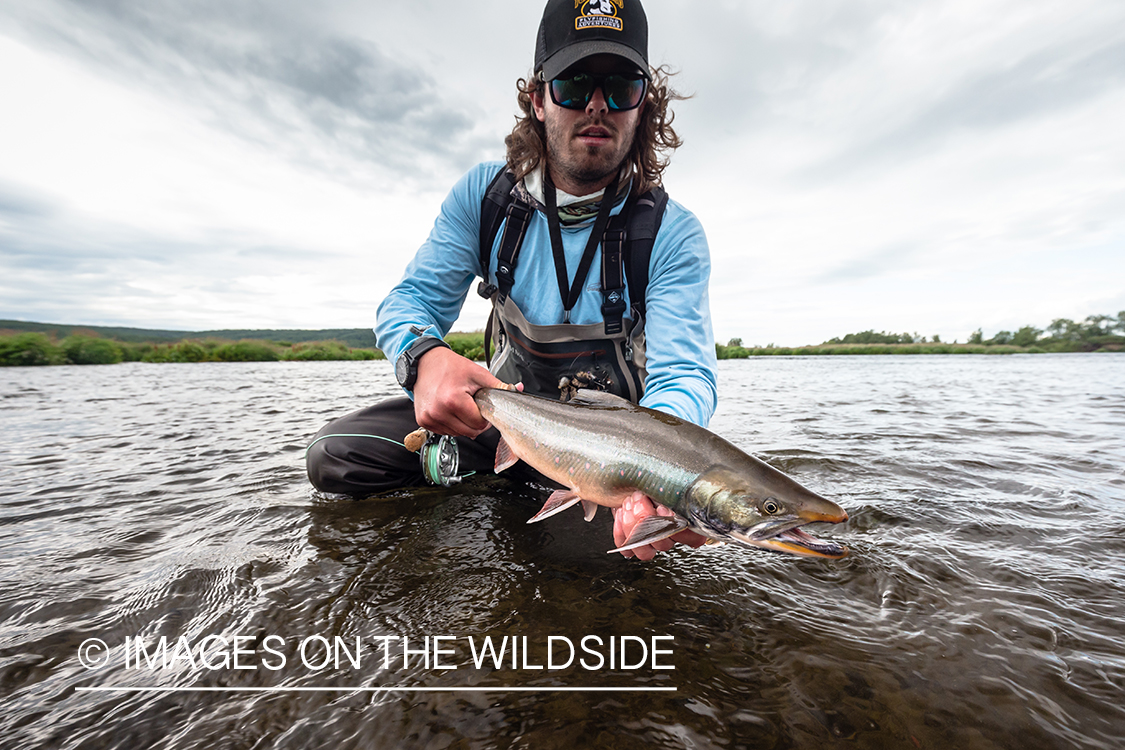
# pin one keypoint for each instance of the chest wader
(609, 355)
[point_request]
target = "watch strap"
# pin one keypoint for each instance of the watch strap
(407, 369)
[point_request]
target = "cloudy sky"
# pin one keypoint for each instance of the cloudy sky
(931, 167)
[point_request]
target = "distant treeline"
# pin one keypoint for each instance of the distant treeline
(361, 338)
(49, 344)
(87, 348)
(23, 349)
(1095, 333)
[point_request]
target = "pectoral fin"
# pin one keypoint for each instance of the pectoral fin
(559, 501)
(653, 529)
(504, 456)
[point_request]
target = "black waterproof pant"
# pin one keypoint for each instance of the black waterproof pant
(354, 455)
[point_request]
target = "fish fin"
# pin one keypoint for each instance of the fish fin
(589, 509)
(504, 456)
(559, 501)
(592, 397)
(653, 529)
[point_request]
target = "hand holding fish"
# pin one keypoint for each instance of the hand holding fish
(633, 511)
(443, 393)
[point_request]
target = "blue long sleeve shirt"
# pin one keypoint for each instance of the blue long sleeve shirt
(679, 343)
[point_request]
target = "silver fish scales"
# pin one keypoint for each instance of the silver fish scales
(602, 448)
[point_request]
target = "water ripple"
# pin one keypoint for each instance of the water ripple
(981, 606)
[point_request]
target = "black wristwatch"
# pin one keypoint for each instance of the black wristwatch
(406, 368)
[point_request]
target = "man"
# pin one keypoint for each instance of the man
(582, 175)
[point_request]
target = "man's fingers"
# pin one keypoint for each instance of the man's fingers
(453, 421)
(623, 520)
(637, 507)
(645, 553)
(687, 536)
(482, 378)
(443, 393)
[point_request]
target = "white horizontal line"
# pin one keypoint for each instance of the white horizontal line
(392, 688)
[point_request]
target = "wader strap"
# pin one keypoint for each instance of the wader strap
(613, 274)
(644, 225)
(493, 208)
(638, 223)
(519, 216)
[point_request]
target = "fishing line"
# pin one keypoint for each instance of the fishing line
(352, 434)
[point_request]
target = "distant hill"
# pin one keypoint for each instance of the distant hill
(353, 337)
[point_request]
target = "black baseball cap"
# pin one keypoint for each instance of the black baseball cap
(575, 29)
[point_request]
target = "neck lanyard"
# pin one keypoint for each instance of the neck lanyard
(570, 294)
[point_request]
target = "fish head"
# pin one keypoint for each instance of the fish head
(763, 508)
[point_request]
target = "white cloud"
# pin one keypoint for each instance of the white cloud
(932, 167)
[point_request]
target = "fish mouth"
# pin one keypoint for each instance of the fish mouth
(791, 539)
(796, 541)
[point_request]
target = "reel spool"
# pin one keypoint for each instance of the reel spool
(441, 461)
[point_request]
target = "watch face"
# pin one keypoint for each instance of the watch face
(402, 370)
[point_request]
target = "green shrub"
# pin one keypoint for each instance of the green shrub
(246, 351)
(321, 351)
(29, 349)
(156, 353)
(468, 345)
(90, 350)
(732, 350)
(188, 351)
(330, 351)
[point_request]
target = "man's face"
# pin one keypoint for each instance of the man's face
(585, 148)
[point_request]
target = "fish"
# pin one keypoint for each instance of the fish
(601, 448)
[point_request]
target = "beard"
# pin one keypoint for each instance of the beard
(582, 164)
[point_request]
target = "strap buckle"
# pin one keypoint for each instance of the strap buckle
(613, 307)
(613, 291)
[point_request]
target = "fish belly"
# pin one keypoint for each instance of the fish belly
(594, 469)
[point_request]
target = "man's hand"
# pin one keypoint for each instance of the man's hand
(637, 507)
(443, 393)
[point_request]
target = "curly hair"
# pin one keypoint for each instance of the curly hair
(527, 143)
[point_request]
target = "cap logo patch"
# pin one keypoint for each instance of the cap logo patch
(598, 14)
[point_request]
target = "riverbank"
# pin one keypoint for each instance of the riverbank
(739, 352)
(39, 349)
(34, 348)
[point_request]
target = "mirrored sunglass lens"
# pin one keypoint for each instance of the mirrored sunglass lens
(572, 92)
(623, 93)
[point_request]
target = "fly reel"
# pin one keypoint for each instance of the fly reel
(441, 461)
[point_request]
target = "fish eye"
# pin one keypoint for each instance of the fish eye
(771, 506)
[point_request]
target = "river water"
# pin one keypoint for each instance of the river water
(981, 606)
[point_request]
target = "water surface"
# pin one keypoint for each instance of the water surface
(981, 606)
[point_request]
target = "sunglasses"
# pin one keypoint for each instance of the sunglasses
(621, 92)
